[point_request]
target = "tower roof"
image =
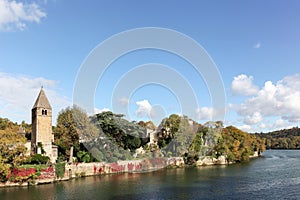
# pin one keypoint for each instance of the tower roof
(42, 101)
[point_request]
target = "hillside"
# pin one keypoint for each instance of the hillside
(282, 139)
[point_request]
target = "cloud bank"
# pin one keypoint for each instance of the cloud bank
(279, 101)
(19, 92)
(243, 85)
(16, 15)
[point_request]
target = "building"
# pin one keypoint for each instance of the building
(41, 128)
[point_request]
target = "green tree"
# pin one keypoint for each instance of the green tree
(282, 139)
(60, 169)
(38, 159)
(12, 148)
(4, 170)
(73, 124)
(167, 130)
(83, 156)
(125, 134)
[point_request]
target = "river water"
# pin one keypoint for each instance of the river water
(276, 175)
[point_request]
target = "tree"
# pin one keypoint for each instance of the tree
(148, 125)
(4, 170)
(73, 125)
(282, 139)
(236, 145)
(118, 138)
(125, 134)
(38, 159)
(167, 129)
(176, 134)
(60, 169)
(12, 148)
(65, 133)
(83, 156)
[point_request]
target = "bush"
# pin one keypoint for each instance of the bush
(4, 171)
(83, 156)
(23, 174)
(38, 159)
(60, 169)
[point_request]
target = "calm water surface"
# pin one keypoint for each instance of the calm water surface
(276, 175)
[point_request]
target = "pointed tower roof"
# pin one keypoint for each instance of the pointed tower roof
(42, 101)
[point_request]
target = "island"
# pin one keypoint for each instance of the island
(81, 145)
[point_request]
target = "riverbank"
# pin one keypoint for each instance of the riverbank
(76, 170)
(275, 176)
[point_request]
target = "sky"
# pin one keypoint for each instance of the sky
(254, 46)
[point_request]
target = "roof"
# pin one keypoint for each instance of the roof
(42, 101)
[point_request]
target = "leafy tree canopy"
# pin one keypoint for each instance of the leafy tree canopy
(73, 125)
(12, 148)
(282, 139)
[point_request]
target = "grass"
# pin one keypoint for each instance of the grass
(37, 167)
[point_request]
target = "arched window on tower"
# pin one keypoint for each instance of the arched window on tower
(44, 112)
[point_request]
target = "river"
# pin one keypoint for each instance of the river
(276, 175)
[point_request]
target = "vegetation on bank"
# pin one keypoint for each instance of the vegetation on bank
(109, 137)
(184, 137)
(12, 148)
(238, 146)
(282, 139)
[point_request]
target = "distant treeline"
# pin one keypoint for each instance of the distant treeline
(282, 139)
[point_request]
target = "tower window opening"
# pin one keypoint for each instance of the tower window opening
(44, 112)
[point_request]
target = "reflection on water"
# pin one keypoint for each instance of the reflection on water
(274, 176)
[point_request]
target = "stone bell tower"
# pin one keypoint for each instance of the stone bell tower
(41, 122)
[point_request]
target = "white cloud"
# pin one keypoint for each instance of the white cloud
(253, 119)
(266, 127)
(97, 110)
(205, 113)
(243, 85)
(245, 127)
(123, 101)
(275, 125)
(262, 126)
(257, 45)
(280, 123)
(18, 94)
(144, 108)
(273, 100)
(15, 15)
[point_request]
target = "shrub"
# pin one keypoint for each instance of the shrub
(83, 156)
(23, 174)
(4, 171)
(60, 169)
(39, 159)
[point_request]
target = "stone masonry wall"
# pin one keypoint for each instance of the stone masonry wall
(89, 169)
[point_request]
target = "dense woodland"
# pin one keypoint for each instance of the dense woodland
(282, 139)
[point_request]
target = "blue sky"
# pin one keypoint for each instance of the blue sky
(254, 44)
